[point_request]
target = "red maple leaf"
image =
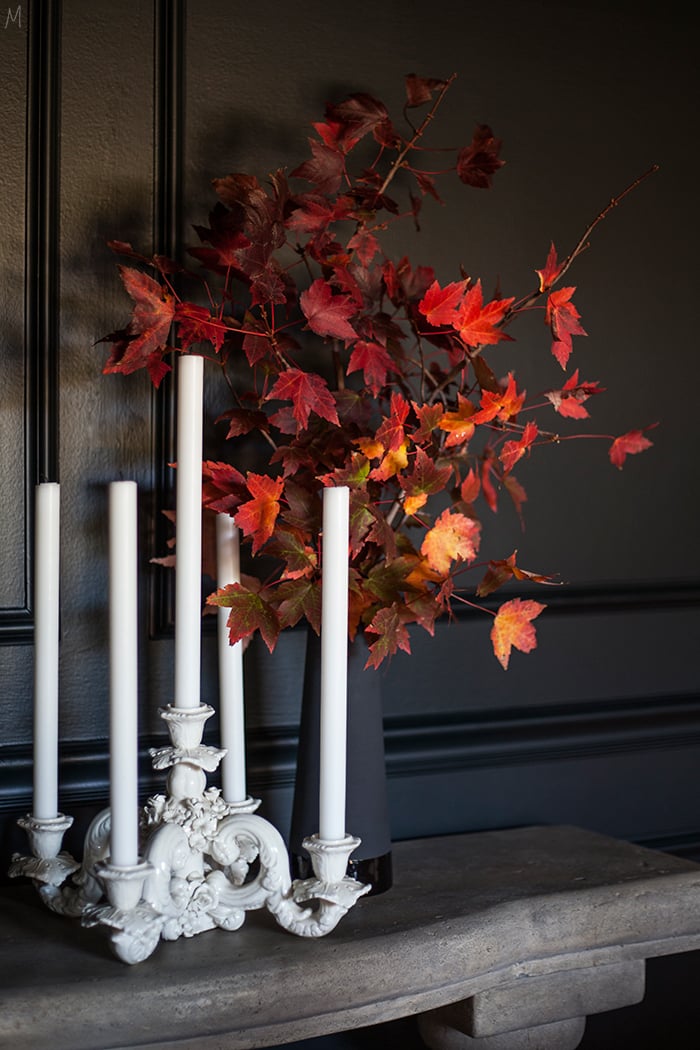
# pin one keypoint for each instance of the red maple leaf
(366, 245)
(563, 319)
(324, 169)
(419, 90)
(326, 313)
(517, 493)
(374, 361)
(225, 237)
(243, 420)
(313, 214)
(224, 486)
(149, 327)
(330, 132)
(551, 270)
(453, 537)
(476, 323)
(501, 404)
(308, 393)
(358, 114)
(513, 627)
(157, 368)
(478, 163)
(391, 433)
(487, 486)
(258, 515)
(500, 572)
(256, 346)
(512, 451)
(627, 445)
(470, 487)
(569, 400)
(196, 325)
(439, 305)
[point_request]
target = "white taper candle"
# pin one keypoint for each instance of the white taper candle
(334, 656)
(46, 620)
(123, 673)
(231, 703)
(188, 531)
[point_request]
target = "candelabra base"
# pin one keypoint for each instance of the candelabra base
(204, 862)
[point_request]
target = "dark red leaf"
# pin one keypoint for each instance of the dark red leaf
(308, 393)
(419, 90)
(477, 163)
(326, 313)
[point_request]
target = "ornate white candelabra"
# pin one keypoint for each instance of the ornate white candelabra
(205, 862)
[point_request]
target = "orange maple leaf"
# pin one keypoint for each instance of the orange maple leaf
(394, 461)
(257, 517)
(458, 425)
(370, 447)
(453, 537)
(513, 627)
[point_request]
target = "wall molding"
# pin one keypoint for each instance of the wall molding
(417, 745)
(41, 292)
(606, 596)
(169, 80)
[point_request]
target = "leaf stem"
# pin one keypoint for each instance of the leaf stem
(417, 134)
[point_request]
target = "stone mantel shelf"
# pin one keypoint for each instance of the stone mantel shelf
(494, 938)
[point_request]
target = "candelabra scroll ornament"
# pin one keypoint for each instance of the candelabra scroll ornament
(205, 861)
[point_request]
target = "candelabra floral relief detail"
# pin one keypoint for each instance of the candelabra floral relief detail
(352, 367)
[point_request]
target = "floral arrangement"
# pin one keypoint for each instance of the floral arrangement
(353, 368)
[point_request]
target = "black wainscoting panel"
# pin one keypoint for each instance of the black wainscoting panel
(626, 768)
(38, 34)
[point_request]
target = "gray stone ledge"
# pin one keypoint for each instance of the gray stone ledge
(468, 914)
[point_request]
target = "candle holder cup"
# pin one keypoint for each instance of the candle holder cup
(204, 861)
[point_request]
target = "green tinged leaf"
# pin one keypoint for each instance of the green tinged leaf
(249, 613)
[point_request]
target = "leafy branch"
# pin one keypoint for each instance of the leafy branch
(355, 368)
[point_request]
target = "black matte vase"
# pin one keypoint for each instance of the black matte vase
(366, 805)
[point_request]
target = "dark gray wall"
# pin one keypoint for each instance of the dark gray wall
(113, 120)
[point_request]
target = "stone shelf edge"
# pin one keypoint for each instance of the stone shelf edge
(499, 940)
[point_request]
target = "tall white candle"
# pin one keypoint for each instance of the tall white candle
(334, 656)
(188, 530)
(46, 590)
(231, 707)
(123, 673)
